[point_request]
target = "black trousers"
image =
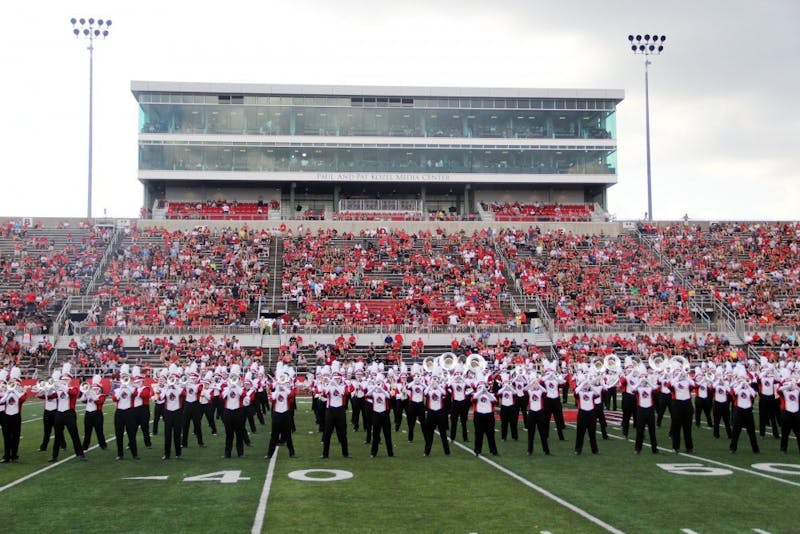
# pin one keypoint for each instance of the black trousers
(743, 418)
(68, 421)
(400, 407)
(381, 423)
(484, 426)
(93, 422)
(610, 398)
(143, 422)
(357, 405)
(768, 409)
(208, 411)
(662, 405)
(158, 415)
(125, 422)
(368, 421)
(587, 423)
(173, 428)
(335, 419)
(629, 412)
(722, 412)
(600, 416)
(250, 416)
(509, 416)
(281, 431)
(261, 402)
(416, 410)
(12, 430)
(682, 412)
(554, 409)
(192, 413)
(49, 420)
(234, 427)
(790, 422)
(459, 411)
(645, 417)
(702, 406)
(537, 421)
(436, 420)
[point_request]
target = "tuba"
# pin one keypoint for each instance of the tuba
(679, 363)
(476, 362)
(429, 364)
(658, 361)
(447, 361)
(612, 364)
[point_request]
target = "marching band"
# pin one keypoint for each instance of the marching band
(438, 393)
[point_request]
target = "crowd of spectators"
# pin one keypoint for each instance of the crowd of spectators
(592, 280)
(752, 268)
(196, 278)
(222, 210)
(393, 277)
(539, 211)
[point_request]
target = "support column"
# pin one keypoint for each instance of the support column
(422, 192)
(337, 189)
(291, 200)
(465, 208)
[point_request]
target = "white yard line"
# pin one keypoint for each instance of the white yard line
(580, 511)
(688, 531)
(258, 522)
(759, 531)
(723, 464)
(42, 470)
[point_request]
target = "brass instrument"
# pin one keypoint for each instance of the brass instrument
(612, 364)
(125, 381)
(85, 387)
(476, 362)
(679, 363)
(429, 364)
(447, 361)
(172, 380)
(658, 361)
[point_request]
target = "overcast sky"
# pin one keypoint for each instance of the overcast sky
(724, 118)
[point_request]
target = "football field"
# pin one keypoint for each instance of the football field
(708, 491)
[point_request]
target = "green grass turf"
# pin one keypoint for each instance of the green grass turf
(407, 493)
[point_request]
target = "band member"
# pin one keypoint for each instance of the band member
(681, 387)
(645, 390)
(416, 405)
(743, 396)
(380, 396)
(664, 400)
(158, 410)
(318, 386)
(335, 395)
(92, 395)
(599, 409)
(768, 407)
(282, 397)
(67, 395)
(12, 397)
(50, 402)
(585, 394)
(509, 414)
(627, 384)
(124, 418)
(459, 405)
(218, 403)
(207, 393)
(232, 393)
(192, 409)
(357, 399)
(399, 392)
(483, 402)
(702, 399)
(173, 395)
(552, 402)
(141, 405)
(790, 412)
(249, 407)
(537, 415)
(261, 399)
(436, 415)
(721, 409)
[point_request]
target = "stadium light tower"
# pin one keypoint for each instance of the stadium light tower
(90, 29)
(647, 45)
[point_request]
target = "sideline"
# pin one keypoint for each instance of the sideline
(580, 511)
(51, 466)
(258, 522)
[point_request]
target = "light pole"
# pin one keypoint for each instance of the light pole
(90, 29)
(647, 45)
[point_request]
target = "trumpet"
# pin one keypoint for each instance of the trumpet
(85, 387)
(125, 381)
(171, 381)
